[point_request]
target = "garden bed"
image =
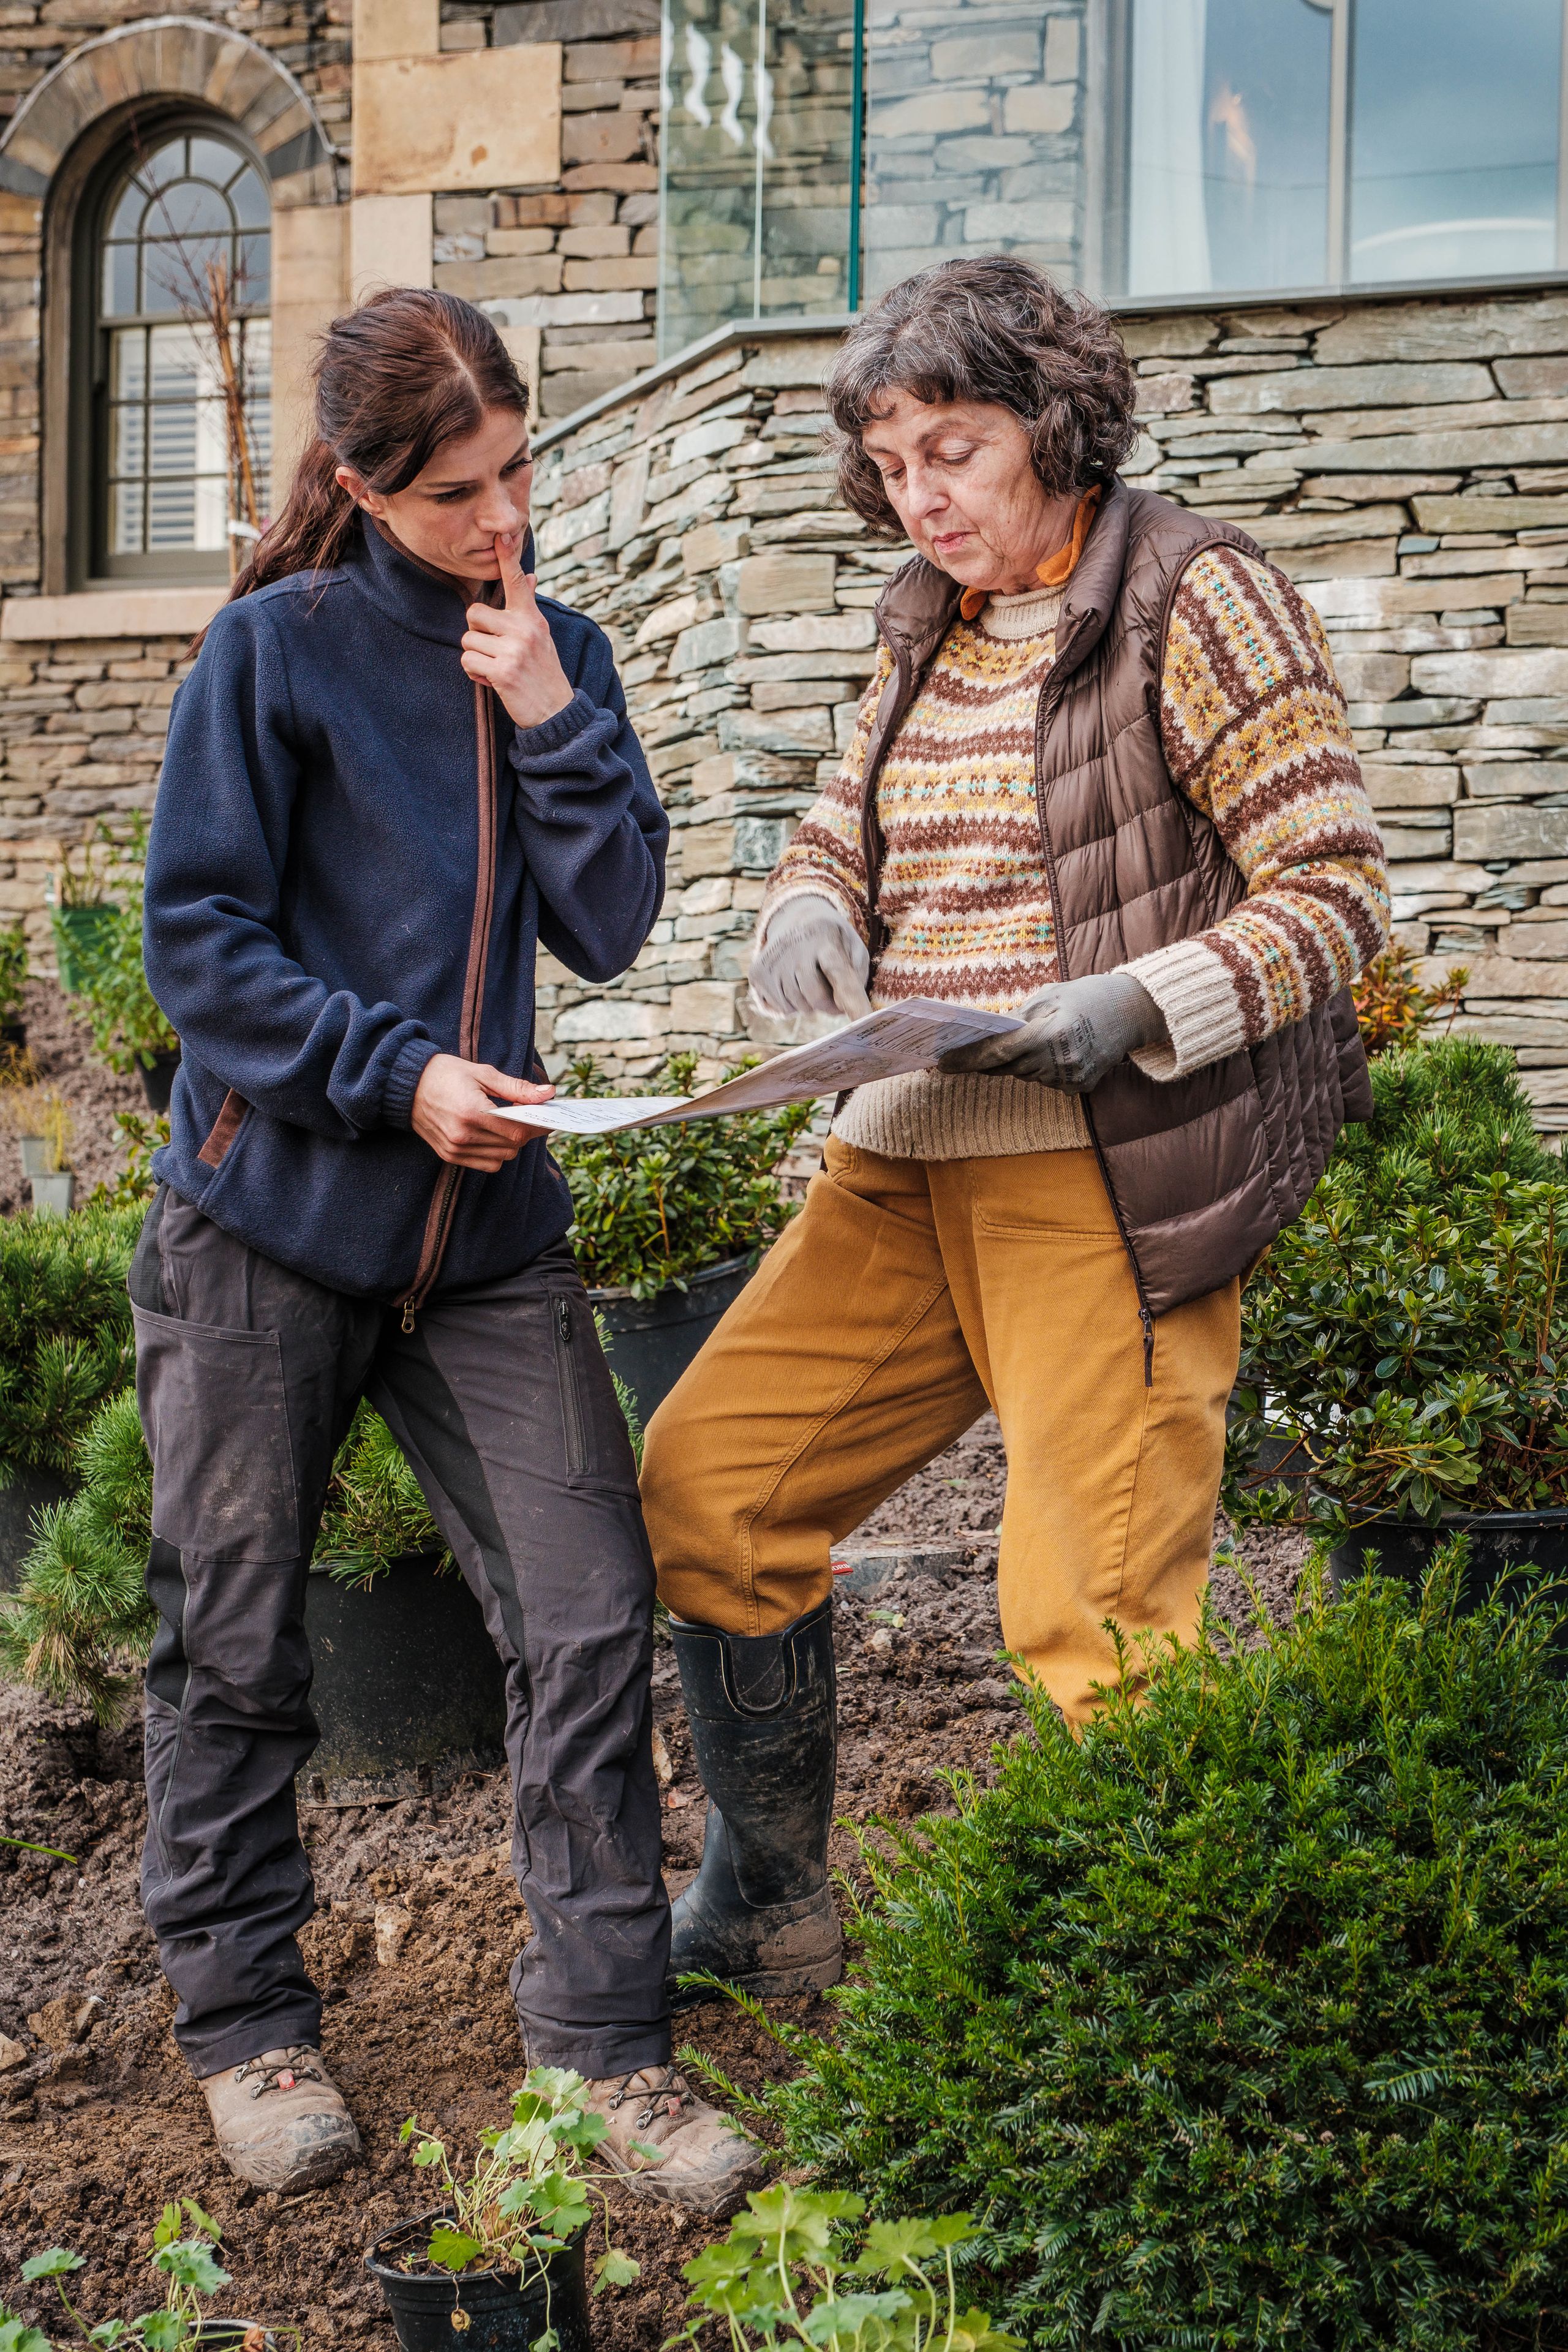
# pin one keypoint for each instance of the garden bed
(62, 1057)
(96, 2136)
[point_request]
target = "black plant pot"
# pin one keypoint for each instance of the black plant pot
(29, 1491)
(408, 1682)
(157, 1082)
(13, 1036)
(1512, 1555)
(500, 2318)
(652, 1341)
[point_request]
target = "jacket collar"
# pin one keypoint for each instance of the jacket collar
(920, 603)
(428, 603)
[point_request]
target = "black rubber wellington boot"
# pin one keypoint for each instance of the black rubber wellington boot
(762, 1709)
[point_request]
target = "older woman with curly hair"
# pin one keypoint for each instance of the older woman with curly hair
(1102, 778)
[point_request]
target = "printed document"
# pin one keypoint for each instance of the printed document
(883, 1045)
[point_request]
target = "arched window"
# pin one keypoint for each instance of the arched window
(176, 283)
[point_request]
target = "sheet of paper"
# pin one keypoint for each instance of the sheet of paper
(883, 1045)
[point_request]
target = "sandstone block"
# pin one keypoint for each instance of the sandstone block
(1533, 942)
(1482, 832)
(395, 29)
(1395, 383)
(1445, 515)
(712, 544)
(482, 281)
(1498, 444)
(709, 643)
(628, 496)
(931, 110)
(1419, 833)
(776, 730)
(1479, 330)
(1272, 531)
(1393, 787)
(1514, 780)
(1373, 678)
(564, 530)
(784, 583)
(707, 849)
(565, 310)
(708, 438)
(1062, 47)
(814, 632)
(604, 138)
(1538, 625)
(1545, 378)
(1039, 106)
(606, 1019)
(1496, 670)
(475, 118)
(637, 270)
(668, 620)
(575, 20)
(1026, 222)
(705, 1006)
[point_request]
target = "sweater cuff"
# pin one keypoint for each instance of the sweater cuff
(808, 887)
(553, 734)
(1194, 991)
(403, 1084)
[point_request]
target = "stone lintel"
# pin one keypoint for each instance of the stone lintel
(110, 612)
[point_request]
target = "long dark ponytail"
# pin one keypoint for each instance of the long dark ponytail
(396, 379)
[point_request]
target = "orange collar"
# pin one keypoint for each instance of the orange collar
(1057, 569)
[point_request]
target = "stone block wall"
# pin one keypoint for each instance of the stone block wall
(1406, 462)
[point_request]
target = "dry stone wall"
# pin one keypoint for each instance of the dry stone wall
(1406, 462)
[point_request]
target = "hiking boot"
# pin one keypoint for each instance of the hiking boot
(701, 2159)
(759, 1913)
(280, 2119)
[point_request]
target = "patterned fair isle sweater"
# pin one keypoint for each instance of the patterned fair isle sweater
(1255, 734)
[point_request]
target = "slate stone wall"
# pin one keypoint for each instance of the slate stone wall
(1405, 461)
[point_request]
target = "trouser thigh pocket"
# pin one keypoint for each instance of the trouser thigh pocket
(214, 1408)
(596, 1447)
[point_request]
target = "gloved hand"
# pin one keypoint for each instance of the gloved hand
(812, 960)
(1073, 1033)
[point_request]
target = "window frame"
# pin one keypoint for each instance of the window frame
(1105, 271)
(89, 565)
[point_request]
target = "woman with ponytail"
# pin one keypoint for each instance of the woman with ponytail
(393, 773)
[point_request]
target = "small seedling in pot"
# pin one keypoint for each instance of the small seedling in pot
(185, 2253)
(529, 2194)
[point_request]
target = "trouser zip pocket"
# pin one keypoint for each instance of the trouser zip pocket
(571, 1393)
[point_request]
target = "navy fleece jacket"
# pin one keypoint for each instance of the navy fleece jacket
(312, 884)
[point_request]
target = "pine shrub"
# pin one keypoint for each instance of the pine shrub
(1240, 2018)
(65, 1341)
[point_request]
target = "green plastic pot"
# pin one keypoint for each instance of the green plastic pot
(78, 933)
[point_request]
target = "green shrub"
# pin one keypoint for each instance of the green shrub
(65, 1341)
(1408, 1335)
(128, 1028)
(13, 971)
(656, 1205)
(1242, 2019)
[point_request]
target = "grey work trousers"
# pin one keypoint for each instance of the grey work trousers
(248, 1376)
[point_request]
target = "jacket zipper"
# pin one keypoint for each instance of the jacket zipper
(1043, 710)
(443, 1206)
(870, 856)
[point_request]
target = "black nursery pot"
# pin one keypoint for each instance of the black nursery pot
(1512, 1555)
(651, 1340)
(158, 1083)
(500, 2317)
(407, 1679)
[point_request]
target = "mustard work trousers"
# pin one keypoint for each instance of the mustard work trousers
(905, 1296)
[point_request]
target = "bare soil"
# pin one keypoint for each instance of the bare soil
(60, 1051)
(96, 2133)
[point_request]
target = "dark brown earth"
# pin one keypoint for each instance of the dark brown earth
(96, 2133)
(61, 1054)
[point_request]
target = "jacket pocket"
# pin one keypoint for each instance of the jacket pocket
(214, 1408)
(573, 1417)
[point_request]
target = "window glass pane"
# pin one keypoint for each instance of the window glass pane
(166, 162)
(118, 289)
(1454, 138)
(1228, 145)
(126, 218)
(250, 200)
(189, 205)
(252, 273)
(174, 272)
(127, 439)
(216, 160)
(128, 363)
(127, 507)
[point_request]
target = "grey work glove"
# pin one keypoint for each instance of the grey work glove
(813, 959)
(1073, 1032)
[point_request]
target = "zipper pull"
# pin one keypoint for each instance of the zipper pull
(1148, 1322)
(563, 1321)
(408, 1315)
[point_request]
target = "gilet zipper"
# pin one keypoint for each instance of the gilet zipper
(1043, 710)
(443, 1206)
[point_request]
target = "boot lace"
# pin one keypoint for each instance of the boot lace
(669, 2092)
(296, 2065)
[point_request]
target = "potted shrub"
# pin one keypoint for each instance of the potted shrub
(13, 983)
(129, 1031)
(66, 1344)
(501, 2259)
(1404, 1342)
(1238, 2011)
(670, 1222)
(41, 1121)
(185, 2253)
(788, 2274)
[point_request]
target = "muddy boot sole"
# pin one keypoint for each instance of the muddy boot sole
(717, 2201)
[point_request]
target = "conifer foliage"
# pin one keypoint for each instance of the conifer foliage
(1242, 2019)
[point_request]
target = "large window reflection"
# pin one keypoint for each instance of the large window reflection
(1228, 144)
(1454, 112)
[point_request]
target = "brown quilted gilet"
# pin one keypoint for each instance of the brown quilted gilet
(1203, 1172)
